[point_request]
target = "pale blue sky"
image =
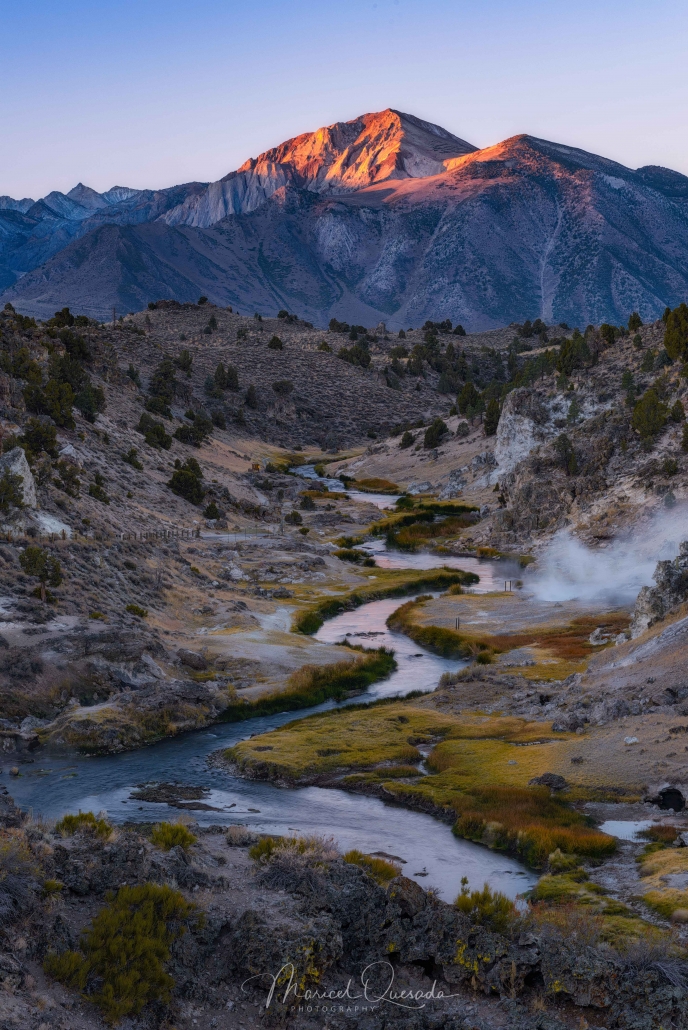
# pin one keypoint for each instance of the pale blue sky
(151, 93)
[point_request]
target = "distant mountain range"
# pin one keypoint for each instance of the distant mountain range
(383, 217)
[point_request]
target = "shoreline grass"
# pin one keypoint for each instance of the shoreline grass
(313, 684)
(472, 774)
(569, 642)
(310, 621)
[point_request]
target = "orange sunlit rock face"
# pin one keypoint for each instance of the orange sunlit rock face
(343, 157)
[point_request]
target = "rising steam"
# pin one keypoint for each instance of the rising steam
(567, 569)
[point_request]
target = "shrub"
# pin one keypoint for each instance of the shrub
(669, 467)
(677, 412)
(435, 433)
(463, 429)
(634, 322)
(67, 479)
(11, 492)
(158, 406)
(96, 489)
(486, 907)
(381, 871)
(43, 566)
(172, 835)
(275, 344)
(649, 415)
(648, 362)
(56, 400)
(120, 964)
(131, 458)
(406, 440)
(187, 481)
(566, 454)
(184, 361)
(293, 518)
(325, 347)
(133, 374)
(40, 436)
(90, 401)
(154, 433)
(676, 332)
(162, 381)
(283, 387)
(136, 609)
(83, 822)
(251, 398)
(356, 355)
(468, 399)
(575, 353)
(307, 503)
(492, 417)
(197, 433)
(202, 300)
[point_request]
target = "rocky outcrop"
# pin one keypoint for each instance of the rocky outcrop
(15, 463)
(525, 423)
(307, 911)
(654, 603)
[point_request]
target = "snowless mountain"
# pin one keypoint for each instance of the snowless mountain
(383, 217)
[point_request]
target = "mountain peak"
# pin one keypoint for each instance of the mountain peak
(350, 155)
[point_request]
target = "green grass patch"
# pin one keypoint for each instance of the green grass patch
(479, 772)
(313, 684)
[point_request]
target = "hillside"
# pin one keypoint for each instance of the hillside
(385, 217)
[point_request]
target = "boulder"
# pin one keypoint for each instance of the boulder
(16, 464)
(653, 603)
(192, 659)
(551, 780)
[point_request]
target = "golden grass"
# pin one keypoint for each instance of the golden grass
(563, 648)
(659, 895)
(382, 872)
(376, 485)
(479, 770)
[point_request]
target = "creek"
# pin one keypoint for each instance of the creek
(430, 854)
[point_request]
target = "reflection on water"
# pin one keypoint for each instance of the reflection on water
(431, 854)
(418, 669)
(381, 501)
(493, 574)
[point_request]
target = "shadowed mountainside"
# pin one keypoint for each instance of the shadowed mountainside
(384, 217)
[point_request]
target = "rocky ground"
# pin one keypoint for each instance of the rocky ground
(300, 906)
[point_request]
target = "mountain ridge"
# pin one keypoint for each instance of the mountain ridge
(386, 217)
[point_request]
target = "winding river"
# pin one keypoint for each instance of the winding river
(56, 783)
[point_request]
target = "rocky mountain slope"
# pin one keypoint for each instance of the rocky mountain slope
(382, 217)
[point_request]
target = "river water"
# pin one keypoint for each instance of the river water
(55, 784)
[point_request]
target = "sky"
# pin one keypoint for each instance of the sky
(146, 93)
